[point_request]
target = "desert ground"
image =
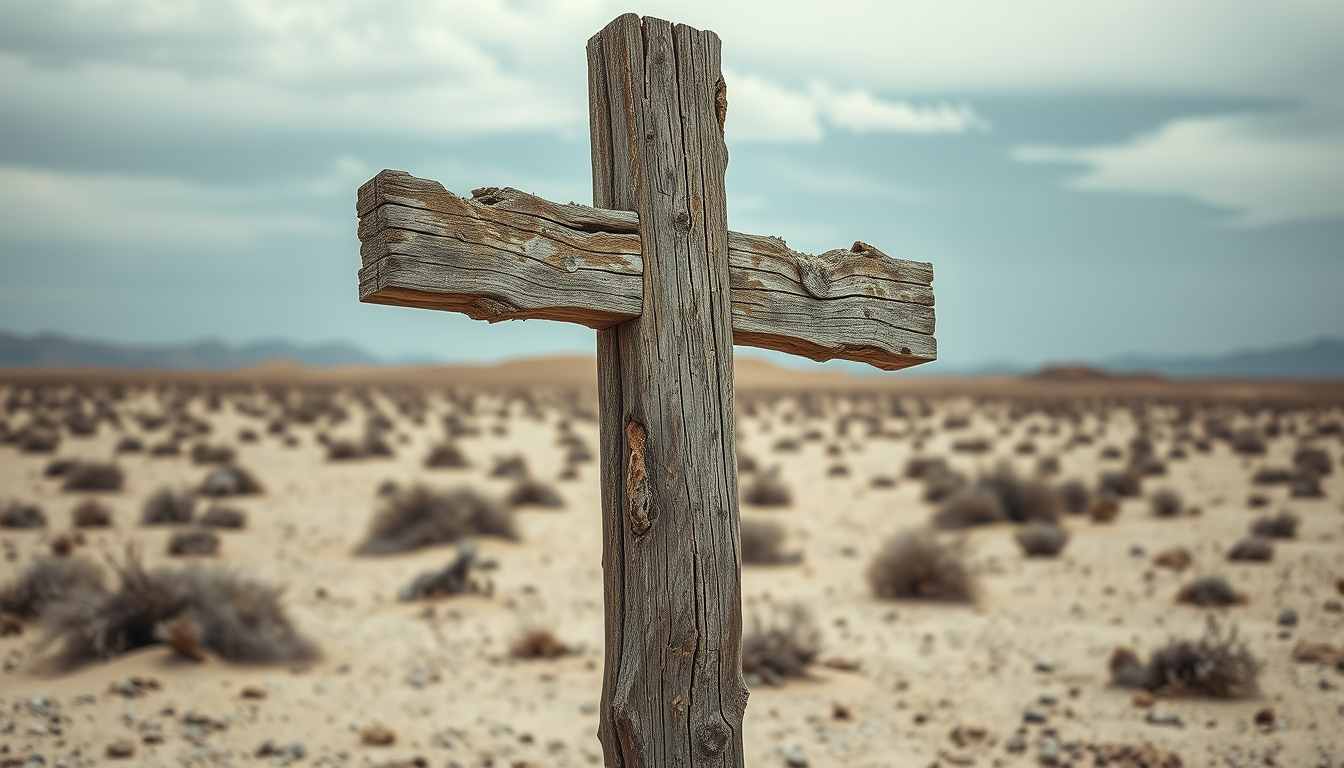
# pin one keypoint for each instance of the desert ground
(303, 643)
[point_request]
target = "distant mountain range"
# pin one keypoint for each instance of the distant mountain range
(1321, 359)
(49, 350)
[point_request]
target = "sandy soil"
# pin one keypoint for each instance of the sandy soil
(440, 675)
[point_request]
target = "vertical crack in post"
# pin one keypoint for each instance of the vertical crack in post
(637, 479)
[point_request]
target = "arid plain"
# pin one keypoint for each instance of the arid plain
(987, 657)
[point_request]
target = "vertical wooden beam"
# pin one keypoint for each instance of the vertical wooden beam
(673, 692)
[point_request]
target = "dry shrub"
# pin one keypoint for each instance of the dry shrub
(1248, 442)
(218, 516)
(204, 453)
(1127, 484)
(539, 644)
(767, 490)
(230, 481)
(197, 541)
(235, 618)
(453, 579)
(973, 445)
(1281, 526)
(1210, 592)
(1074, 497)
(969, 508)
(1311, 652)
(1313, 460)
(93, 476)
(780, 644)
(129, 444)
(17, 514)
(445, 456)
(509, 466)
(183, 635)
(921, 467)
(786, 445)
(1041, 539)
(59, 467)
(1116, 755)
(1023, 500)
(1047, 465)
(1175, 558)
(745, 463)
(1217, 665)
(939, 484)
(1252, 549)
(48, 581)
(763, 542)
(1166, 503)
(168, 507)
(533, 493)
(1306, 486)
(1272, 476)
(419, 517)
(1104, 508)
(165, 448)
(91, 513)
(915, 564)
(38, 440)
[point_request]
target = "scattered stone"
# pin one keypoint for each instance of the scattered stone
(377, 736)
(1049, 752)
(254, 692)
(793, 755)
(1034, 715)
(120, 750)
(1264, 719)
(1048, 699)
(1163, 717)
(1288, 618)
(1045, 665)
(1017, 743)
(967, 735)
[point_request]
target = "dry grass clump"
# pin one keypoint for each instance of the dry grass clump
(780, 644)
(533, 493)
(1024, 500)
(1104, 508)
(453, 579)
(1217, 665)
(763, 544)
(1306, 486)
(37, 440)
(419, 517)
(91, 513)
(1252, 549)
(204, 453)
(230, 481)
(59, 467)
(129, 444)
(93, 476)
(921, 467)
(1272, 476)
(1041, 539)
(1074, 497)
(47, 581)
(767, 490)
(168, 507)
(1210, 592)
(1313, 460)
(1118, 755)
(968, 508)
(445, 456)
(915, 564)
(941, 483)
(17, 514)
(197, 541)
(231, 616)
(1166, 503)
(1281, 526)
(510, 466)
(1248, 442)
(219, 516)
(1175, 558)
(1127, 484)
(973, 445)
(539, 643)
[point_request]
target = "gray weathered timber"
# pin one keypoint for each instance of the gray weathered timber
(673, 692)
(507, 255)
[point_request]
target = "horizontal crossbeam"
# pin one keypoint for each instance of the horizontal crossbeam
(508, 255)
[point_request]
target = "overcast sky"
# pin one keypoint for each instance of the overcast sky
(1088, 179)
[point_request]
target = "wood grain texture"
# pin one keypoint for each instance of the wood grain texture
(507, 255)
(673, 692)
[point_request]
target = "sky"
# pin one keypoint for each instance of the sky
(1089, 180)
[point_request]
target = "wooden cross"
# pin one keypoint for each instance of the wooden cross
(669, 289)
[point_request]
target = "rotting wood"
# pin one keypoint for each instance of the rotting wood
(508, 255)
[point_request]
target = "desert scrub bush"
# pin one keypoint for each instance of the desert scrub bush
(1281, 526)
(920, 467)
(746, 464)
(93, 476)
(939, 484)
(1175, 558)
(37, 440)
(91, 513)
(220, 516)
(528, 492)
(204, 453)
(766, 489)
(1041, 539)
(1248, 442)
(224, 613)
(445, 456)
(1306, 485)
(1312, 459)
(168, 507)
(59, 467)
(972, 445)
(48, 581)
(1210, 592)
(456, 578)
(129, 444)
(1127, 484)
(915, 564)
(196, 541)
(538, 643)
(968, 508)
(1074, 497)
(419, 517)
(514, 467)
(18, 514)
(763, 544)
(1217, 665)
(1023, 499)
(230, 481)
(1166, 503)
(1252, 549)
(779, 642)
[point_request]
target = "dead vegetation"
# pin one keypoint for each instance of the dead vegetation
(1041, 539)
(168, 507)
(1252, 549)
(47, 581)
(220, 516)
(18, 514)
(195, 541)
(455, 578)
(1218, 664)
(230, 481)
(91, 513)
(529, 492)
(93, 476)
(779, 642)
(1210, 592)
(1175, 558)
(419, 517)
(1166, 503)
(763, 544)
(538, 643)
(1281, 526)
(446, 456)
(766, 489)
(914, 564)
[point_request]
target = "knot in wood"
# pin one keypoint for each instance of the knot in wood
(487, 195)
(721, 102)
(712, 738)
(571, 264)
(682, 221)
(814, 273)
(863, 249)
(637, 480)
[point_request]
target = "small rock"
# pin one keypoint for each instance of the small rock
(1265, 718)
(793, 755)
(1048, 699)
(1034, 715)
(1162, 717)
(1045, 665)
(1137, 550)
(253, 692)
(378, 736)
(1143, 699)
(120, 750)
(1049, 752)
(37, 729)
(1288, 618)
(1016, 743)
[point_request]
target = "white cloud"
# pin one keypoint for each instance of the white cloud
(1265, 169)
(862, 112)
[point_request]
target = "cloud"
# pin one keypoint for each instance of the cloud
(1265, 169)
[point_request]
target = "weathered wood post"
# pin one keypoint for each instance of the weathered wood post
(673, 692)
